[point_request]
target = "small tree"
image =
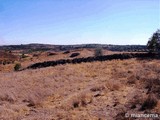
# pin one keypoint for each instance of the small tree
(154, 42)
(98, 52)
(17, 66)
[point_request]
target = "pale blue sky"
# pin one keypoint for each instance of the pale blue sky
(78, 21)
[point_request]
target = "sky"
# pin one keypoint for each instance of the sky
(64, 22)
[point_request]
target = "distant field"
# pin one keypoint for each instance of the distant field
(10, 58)
(39, 56)
(7, 56)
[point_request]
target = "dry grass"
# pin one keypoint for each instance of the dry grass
(77, 100)
(113, 85)
(150, 102)
(91, 91)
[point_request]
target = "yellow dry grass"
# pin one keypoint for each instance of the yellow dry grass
(92, 91)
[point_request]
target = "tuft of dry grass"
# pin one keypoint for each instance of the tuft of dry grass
(77, 100)
(7, 97)
(150, 102)
(113, 85)
(132, 79)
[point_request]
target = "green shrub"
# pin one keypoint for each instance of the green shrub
(17, 66)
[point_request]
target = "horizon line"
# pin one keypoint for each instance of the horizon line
(73, 44)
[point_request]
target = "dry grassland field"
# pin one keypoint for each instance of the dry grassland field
(97, 90)
(79, 59)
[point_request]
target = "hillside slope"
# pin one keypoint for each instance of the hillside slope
(92, 91)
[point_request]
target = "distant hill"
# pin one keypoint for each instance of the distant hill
(45, 47)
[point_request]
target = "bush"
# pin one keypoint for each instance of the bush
(66, 52)
(51, 53)
(74, 54)
(17, 66)
(150, 102)
(98, 52)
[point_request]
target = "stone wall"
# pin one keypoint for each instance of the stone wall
(91, 59)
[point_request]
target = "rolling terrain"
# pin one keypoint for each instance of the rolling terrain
(96, 90)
